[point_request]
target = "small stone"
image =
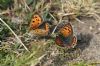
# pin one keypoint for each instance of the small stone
(99, 29)
(91, 28)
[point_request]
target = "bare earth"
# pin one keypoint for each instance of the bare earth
(91, 30)
(87, 49)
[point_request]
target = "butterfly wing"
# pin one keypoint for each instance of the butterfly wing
(47, 27)
(35, 22)
(66, 30)
(73, 43)
(58, 41)
(42, 31)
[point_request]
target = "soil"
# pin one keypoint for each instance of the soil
(87, 48)
(91, 31)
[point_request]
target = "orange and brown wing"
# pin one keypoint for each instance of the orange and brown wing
(73, 43)
(47, 27)
(42, 31)
(58, 41)
(35, 22)
(66, 30)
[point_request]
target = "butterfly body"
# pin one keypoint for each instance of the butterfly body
(65, 36)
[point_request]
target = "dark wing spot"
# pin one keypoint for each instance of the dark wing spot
(33, 21)
(65, 28)
(69, 30)
(37, 20)
(38, 23)
(35, 16)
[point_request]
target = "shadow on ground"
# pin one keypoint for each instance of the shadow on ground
(83, 41)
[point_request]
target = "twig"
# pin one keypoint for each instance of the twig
(66, 14)
(62, 6)
(26, 6)
(56, 25)
(97, 16)
(55, 20)
(38, 60)
(79, 20)
(53, 17)
(14, 34)
(4, 12)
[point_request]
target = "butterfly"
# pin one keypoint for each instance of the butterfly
(65, 37)
(38, 27)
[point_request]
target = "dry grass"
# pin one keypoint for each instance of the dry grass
(20, 15)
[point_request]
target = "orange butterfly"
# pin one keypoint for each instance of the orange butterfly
(65, 37)
(38, 27)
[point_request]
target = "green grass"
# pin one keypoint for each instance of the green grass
(14, 54)
(81, 63)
